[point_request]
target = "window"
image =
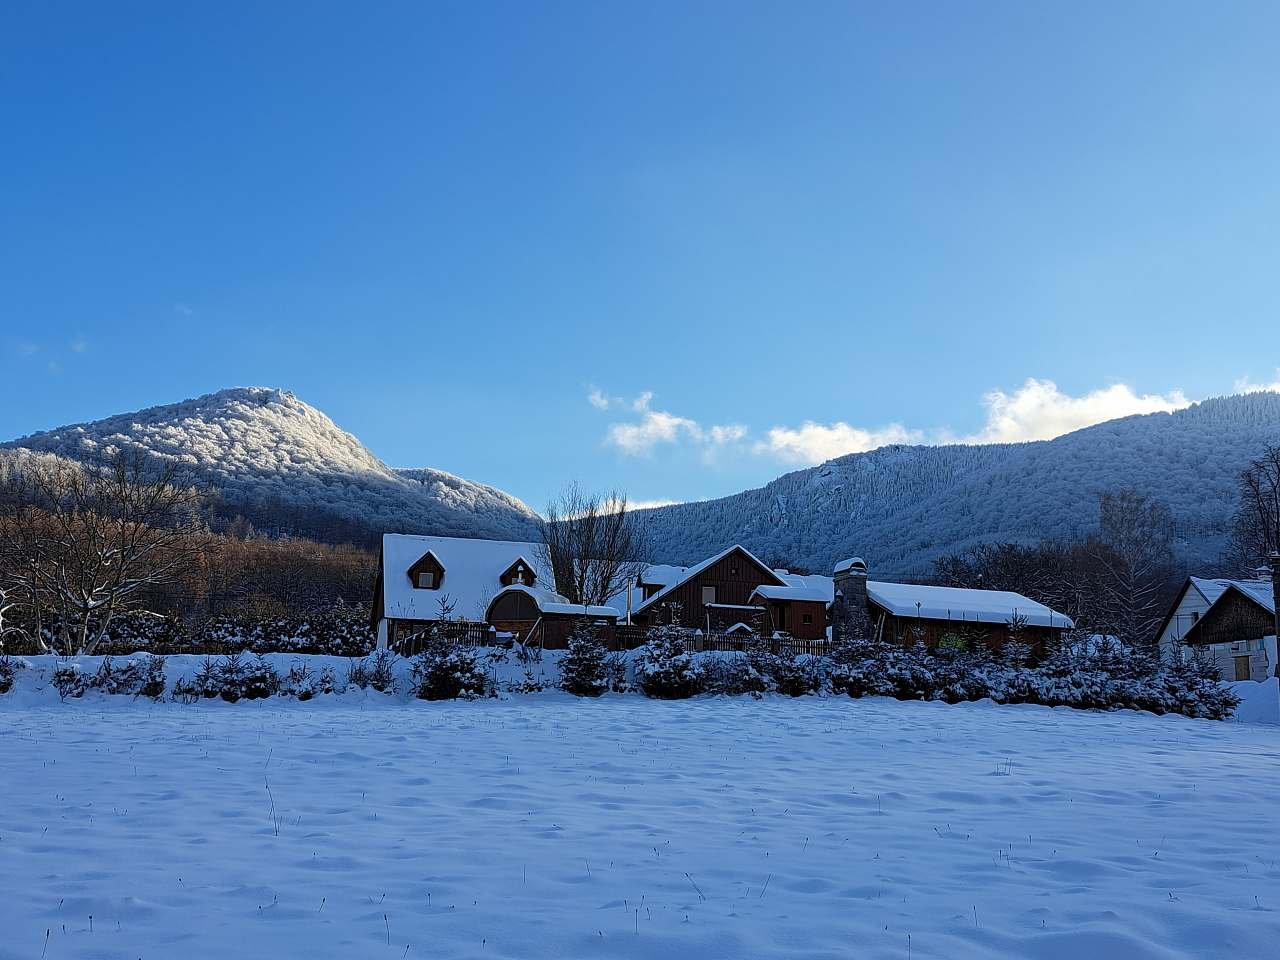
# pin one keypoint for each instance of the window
(807, 619)
(709, 594)
(426, 580)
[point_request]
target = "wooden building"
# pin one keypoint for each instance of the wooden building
(733, 591)
(1233, 620)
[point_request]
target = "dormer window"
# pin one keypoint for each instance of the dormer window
(519, 573)
(427, 573)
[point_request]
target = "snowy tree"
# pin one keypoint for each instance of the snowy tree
(664, 668)
(584, 667)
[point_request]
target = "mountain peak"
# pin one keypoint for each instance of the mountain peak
(270, 453)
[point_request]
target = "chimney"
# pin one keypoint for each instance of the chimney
(851, 586)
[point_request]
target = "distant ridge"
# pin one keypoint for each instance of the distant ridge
(902, 507)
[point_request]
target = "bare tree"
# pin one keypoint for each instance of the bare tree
(1255, 532)
(1135, 548)
(86, 542)
(591, 544)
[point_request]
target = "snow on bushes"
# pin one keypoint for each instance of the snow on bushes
(339, 631)
(376, 671)
(664, 670)
(303, 683)
(232, 678)
(447, 669)
(136, 677)
(584, 666)
(1098, 677)
(9, 667)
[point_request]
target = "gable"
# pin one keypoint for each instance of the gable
(734, 573)
(1237, 615)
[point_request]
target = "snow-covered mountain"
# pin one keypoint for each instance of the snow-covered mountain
(902, 507)
(288, 468)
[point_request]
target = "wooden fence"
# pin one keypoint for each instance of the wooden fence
(466, 632)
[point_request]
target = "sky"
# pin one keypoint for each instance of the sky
(675, 249)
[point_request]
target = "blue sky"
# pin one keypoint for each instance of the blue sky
(674, 248)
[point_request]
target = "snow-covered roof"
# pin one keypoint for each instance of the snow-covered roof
(549, 601)
(1260, 591)
(959, 603)
(688, 573)
(662, 574)
(818, 592)
(472, 572)
(849, 564)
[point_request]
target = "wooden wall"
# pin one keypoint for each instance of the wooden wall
(1234, 617)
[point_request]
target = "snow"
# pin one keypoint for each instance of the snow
(1259, 700)
(266, 449)
(1259, 591)
(549, 601)
(367, 826)
(903, 507)
(472, 569)
(818, 592)
(958, 603)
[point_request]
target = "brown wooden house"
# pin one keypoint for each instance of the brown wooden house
(733, 591)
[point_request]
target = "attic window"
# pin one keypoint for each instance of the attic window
(426, 580)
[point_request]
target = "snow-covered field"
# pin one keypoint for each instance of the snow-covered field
(544, 826)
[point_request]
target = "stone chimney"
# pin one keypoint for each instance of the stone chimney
(851, 586)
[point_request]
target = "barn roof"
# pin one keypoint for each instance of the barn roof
(1259, 591)
(959, 603)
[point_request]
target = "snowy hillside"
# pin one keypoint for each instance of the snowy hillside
(288, 467)
(902, 507)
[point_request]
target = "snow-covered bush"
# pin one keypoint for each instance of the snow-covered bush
(9, 667)
(232, 678)
(1088, 676)
(447, 669)
(376, 671)
(69, 680)
(664, 670)
(303, 683)
(733, 675)
(583, 669)
(141, 676)
(792, 676)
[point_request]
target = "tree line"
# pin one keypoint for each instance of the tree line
(83, 544)
(1120, 580)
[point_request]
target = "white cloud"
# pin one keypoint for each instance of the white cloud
(1038, 410)
(79, 345)
(815, 442)
(598, 399)
(638, 438)
(1245, 385)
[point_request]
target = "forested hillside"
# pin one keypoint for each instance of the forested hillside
(902, 507)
